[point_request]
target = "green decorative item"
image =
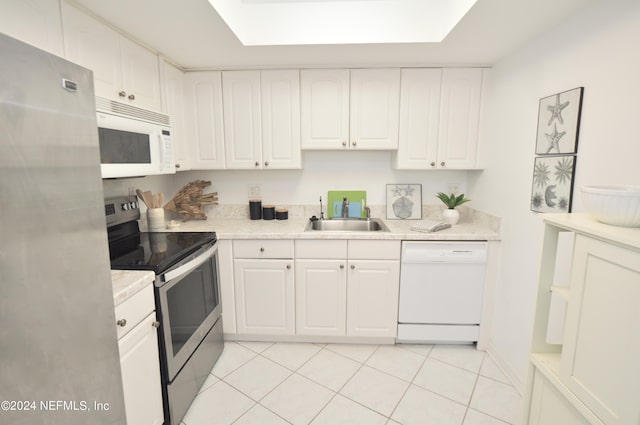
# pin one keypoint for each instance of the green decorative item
(452, 201)
(451, 215)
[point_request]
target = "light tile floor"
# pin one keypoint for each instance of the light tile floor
(257, 383)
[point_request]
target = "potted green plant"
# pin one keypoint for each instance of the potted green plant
(451, 215)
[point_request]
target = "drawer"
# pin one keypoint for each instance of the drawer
(263, 249)
(134, 310)
(325, 249)
(374, 250)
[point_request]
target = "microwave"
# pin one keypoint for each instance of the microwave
(133, 142)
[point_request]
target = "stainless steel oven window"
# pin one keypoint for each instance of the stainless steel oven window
(189, 306)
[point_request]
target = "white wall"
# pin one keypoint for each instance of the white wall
(323, 171)
(599, 50)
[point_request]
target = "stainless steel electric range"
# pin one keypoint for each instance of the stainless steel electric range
(187, 296)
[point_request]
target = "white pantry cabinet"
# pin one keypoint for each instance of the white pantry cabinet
(122, 70)
(347, 288)
(439, 118)
(594, 369)
(203, 112)
(350, 109)
(261, 112)
(173, 105)
(263, 282)
(139, 358)
(36, 22)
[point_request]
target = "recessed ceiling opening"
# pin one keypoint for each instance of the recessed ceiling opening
(305, 22)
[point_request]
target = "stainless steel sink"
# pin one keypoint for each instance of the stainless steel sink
(347, 225)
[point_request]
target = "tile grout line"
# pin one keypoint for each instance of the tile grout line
(389, 418)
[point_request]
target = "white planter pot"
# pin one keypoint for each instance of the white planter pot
(451, 216)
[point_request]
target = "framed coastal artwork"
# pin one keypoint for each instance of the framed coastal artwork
(559, 123)
(552, 188)
(404, 201)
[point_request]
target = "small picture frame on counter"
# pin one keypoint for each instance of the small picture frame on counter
(404, 201)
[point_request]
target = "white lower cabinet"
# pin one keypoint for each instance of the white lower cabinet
(372, 298)
(321, 297)
(139, 359)
(263, 281)
(339, 294)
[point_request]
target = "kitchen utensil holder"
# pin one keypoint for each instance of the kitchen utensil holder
(155, 219)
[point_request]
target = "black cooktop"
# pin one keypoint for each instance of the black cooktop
(156, 251)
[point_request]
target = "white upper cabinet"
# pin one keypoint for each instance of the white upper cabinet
(419, 119)
(203, 113)
(325, 108)
(36, 22)
(122, 69)
(173, 104)
(280, 119)
(374, 108)
(459, 118)
(242, 119)
(355, 109)
(439, 119)
(261, 112)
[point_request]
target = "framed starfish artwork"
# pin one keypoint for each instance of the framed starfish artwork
(404, 201)
(552, 188)
(559, 123)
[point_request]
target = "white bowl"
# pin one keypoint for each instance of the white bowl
(617, 205)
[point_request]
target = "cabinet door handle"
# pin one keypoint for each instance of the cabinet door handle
(177, 165)
(433, 164)
(353, 143)
(266, 163)
(122, 93)
(344, 143)
(155, 324)
(132, 97)
(261, 249)
(442, 163)
(341, 266)
(257, 164)
(122, 322)
(288, 266)
(353, 267)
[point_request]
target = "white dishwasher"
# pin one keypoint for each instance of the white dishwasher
(441, 288)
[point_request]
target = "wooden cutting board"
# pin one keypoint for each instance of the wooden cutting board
(357, 202)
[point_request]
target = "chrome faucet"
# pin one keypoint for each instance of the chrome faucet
(345, 208)
(367, 211)
(321, 213)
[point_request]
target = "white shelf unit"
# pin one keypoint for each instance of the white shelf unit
(589, 373)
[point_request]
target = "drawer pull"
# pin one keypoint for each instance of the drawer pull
(341, 266)
(261, 249)
(288, 266)
(353, 267)
(156, 324)
(122, 322)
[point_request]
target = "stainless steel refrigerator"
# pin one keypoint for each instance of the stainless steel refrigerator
(58, 344)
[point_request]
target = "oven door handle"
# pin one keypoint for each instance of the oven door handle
(190, 263)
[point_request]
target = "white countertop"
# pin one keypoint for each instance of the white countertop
(244, 228)
(127, 283)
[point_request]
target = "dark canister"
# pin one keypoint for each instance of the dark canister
(282, 214)
(268, 212)
(255, 209)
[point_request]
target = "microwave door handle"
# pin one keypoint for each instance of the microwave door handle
(163, 150)
(190, 265)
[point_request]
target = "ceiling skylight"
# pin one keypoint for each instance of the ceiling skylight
(294, 22)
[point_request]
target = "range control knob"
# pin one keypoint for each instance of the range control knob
(134, 205)
(125, 206)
